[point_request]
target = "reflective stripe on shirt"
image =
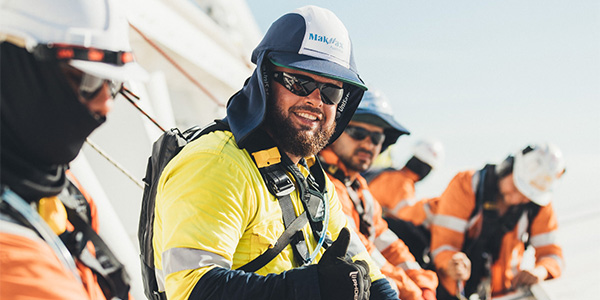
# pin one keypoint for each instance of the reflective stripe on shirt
(409, 265)
(356, 245)
(385, 239)
(437, 251)
(378, 258)
(429, 216)
(402, 204)
(179, 259)
(452, 223)
(545, 239)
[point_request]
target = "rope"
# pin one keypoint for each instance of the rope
(114, 163)
(124, 92)
(178, 67)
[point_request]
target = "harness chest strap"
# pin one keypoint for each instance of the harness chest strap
(272, 166)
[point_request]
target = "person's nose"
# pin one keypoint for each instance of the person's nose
(314, 98)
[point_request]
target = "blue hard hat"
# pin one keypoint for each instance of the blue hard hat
(375, 109)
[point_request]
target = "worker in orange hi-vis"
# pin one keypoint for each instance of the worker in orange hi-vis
(62, 65)
(487, 218)
(372, 129)
(408, 217)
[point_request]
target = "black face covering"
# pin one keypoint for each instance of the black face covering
(43, 124)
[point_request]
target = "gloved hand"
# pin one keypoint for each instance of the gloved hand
(340, 278)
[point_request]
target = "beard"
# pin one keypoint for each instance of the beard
(296, 141)
(357, 166)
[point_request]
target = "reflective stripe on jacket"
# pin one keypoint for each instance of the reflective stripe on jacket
(453, 221)
(388, 251)
(213, 209)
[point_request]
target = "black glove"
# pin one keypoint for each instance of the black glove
(340, 278)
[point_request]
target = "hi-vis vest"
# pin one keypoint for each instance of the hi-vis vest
(214, 207)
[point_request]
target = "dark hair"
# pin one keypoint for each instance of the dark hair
(505, 168)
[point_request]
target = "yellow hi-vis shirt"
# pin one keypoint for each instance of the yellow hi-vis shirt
(214, 209)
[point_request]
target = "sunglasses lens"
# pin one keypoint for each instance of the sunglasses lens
(331, 95)
(303, 86)
(356, 133)
(377, 137)
(359, 134)
(89, 86)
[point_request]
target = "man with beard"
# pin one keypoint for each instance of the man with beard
(246, 211)
(371, 130)
(62, 64)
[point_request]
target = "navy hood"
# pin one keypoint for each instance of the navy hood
(310, 39)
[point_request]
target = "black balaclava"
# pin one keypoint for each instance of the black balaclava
(43, 124)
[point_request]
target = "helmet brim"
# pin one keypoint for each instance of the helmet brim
(316, 66)
(127, 72)
(386, 120)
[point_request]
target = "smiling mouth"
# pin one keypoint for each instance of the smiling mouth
(308, 116)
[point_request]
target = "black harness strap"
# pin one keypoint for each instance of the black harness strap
(281, 186)
(291, 229)
(111, 274)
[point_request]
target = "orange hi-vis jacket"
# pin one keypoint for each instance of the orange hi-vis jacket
(387, 250)
(395, 191)
(453, 221)
(30, 269)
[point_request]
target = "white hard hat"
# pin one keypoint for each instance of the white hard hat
(429, 151)
(91, 35)
(535, 170)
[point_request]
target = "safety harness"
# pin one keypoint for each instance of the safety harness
(110, 273)
(484, 250)
(365, 213)
(274, 168)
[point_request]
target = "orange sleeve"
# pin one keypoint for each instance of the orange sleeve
(31, 270)
(456, 204)
(543, 237)
(407, 289)
(398, 253)
(391, 188)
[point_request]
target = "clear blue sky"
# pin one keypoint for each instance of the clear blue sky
(484, 77)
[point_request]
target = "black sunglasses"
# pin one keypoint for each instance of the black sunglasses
(303, 86)
(359, 134)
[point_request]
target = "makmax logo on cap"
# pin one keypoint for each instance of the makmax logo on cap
(325, 36)
(324, 39)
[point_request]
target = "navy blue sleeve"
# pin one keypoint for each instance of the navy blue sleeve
(220, 283)
(381, 290)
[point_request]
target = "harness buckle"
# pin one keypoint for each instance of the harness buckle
(278, 182)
